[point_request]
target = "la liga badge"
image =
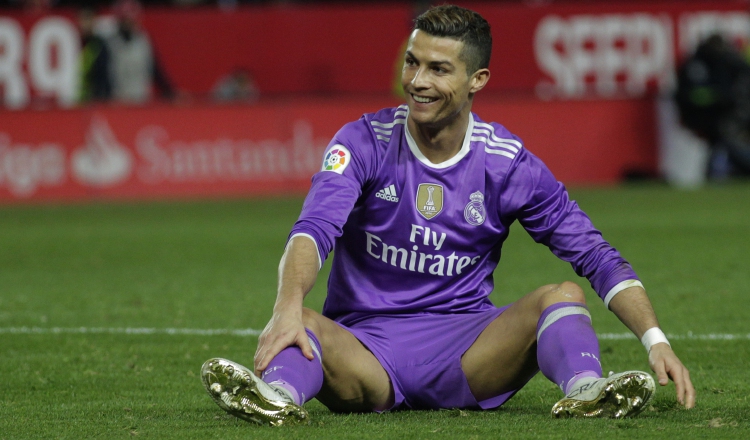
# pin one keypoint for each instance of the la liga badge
(337, 159)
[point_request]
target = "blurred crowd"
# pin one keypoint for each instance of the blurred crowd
(37, 4)
(713, 98)
(227, 3)
(118, 63)
(121, 65)
(46, 4)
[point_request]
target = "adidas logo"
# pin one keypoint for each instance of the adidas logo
(388, 193)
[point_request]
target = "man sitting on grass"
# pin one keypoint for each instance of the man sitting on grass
(417, 201)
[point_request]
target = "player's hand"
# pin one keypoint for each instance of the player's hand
(285, 329)
(667, 366)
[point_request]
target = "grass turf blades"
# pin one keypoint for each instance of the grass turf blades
(212, 265)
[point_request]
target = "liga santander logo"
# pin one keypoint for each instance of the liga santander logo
(337, 159)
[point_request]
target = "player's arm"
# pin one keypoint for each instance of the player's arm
(634, 309)
(551, 218)
(298, 270)
(331, 198)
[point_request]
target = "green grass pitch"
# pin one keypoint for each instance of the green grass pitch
(89, 270)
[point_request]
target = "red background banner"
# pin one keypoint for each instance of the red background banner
(595, 67)
(568, 50)
(170, 151)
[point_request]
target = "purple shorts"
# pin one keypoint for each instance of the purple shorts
(422, 356)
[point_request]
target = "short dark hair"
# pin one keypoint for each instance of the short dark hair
(463, 25)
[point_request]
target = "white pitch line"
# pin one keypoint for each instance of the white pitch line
(128, 331)
(254, 332)
(687, 336)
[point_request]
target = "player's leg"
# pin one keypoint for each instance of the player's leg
(505, 355)
(550, 329)
(344, 376)
(355, 380)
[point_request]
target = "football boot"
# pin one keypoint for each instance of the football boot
(617, 396)
(238, 391)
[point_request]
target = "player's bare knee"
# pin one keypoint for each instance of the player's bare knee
(572, 292)
(567, 291)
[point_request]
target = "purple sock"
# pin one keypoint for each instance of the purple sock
(567, 348)
(292, 371)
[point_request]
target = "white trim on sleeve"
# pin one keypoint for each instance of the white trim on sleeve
(619, 288)
(302, 234)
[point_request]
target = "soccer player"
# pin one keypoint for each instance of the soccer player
(416, 201)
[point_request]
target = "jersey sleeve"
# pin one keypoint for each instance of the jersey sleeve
(347, 165)
(541, 204)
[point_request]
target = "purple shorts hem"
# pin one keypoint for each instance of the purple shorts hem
(422, 356)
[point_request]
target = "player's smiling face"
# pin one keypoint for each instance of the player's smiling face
(435, 81)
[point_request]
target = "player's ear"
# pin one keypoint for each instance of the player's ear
(479, 80)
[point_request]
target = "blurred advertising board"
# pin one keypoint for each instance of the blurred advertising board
(116, 152)
(604, 50)
(161, 151)
(562, 51)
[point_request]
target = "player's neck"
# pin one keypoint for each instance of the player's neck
(440, 143)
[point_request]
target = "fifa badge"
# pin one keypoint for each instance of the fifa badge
(429, 199)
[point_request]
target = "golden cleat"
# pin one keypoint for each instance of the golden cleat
(242, 394)
(618, 396)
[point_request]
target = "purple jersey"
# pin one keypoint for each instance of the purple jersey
(411, 236)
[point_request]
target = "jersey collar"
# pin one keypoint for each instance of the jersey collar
(465, 147)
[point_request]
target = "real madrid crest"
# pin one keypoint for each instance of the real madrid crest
(474, 213)
(429, 199)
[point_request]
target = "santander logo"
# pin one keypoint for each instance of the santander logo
(102, 160)
(99, 158)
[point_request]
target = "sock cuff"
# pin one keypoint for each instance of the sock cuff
(314, 344)
(557, 311)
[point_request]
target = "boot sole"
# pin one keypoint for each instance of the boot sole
(235, 390)
(625, 396)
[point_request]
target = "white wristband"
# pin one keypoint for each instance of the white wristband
(653, 336)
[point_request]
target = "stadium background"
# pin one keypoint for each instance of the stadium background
(579, 82)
